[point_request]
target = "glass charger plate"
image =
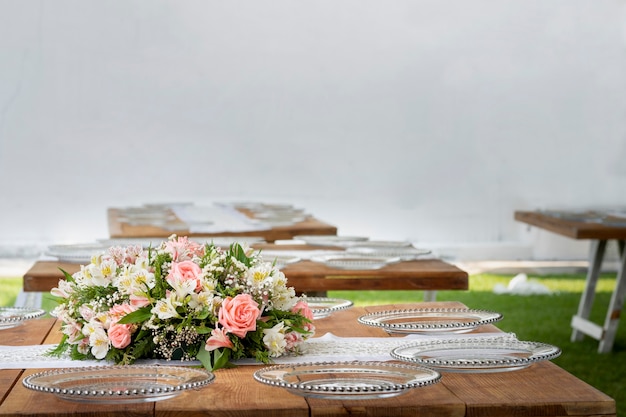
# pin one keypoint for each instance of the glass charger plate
(347, 380)
(404, 253)
(118, 384)
(323, 307)
(76, 253)
(14, 316)
(476, 354)
(354, 261)
(430, 320)
(331, 240)
(280, 260)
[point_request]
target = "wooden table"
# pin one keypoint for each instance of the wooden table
(543, 389)
(119, 228)
(310, 277)
(577, 227)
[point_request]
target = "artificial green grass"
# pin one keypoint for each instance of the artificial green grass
(539, 318)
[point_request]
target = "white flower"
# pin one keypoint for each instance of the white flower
(143, 279)
(92, 276)
(201, 300)
(165, 309)
(283, 298)
(64, 289)
(86, 312)
(274, 340)
(257, 276)
(92, 327)
(108, 268)
(100, 343)
(183, 288)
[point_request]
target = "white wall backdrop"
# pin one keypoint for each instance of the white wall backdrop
(426, 120)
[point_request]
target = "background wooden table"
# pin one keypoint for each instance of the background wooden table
(309, 226)
(543, 389)
(574, 225)
(308, 276)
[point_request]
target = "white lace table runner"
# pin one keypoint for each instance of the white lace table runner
(324, 348)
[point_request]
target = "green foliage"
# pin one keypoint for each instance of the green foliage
(137, 316)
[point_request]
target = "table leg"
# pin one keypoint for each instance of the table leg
(580, 322)
(430, 295)
(615, 306)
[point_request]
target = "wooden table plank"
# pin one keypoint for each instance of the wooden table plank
(32, 333)
(570, 228)
(543, 389)
(308, 276)
(308, 226)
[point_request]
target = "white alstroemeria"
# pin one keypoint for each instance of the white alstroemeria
(201, 300)
(165, 309)
(259, 276)
(142, 262)
(60, 312)
(63, 290)
(96, 259)
(208, 284)
(183, 288)
(124, 283)
(108, 268)
(100, 343)
(83, 346)
(93, 276)
(143, 279)
(274, 340)
(278, 279)
(283, 298)
(92, 327)
(86, 312)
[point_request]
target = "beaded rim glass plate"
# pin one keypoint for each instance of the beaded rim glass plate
(476, 355)
(323, 306)
(76, 253)
(280, 260)
(347, 380)
(331, 240)
(354, 261)
(119, 384)
(14, 316)
(430, 320)
(404, 253)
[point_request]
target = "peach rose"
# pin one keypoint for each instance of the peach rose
(119, 335)
(239, 315)
(302, 307)
(219, 339)
(185, 271)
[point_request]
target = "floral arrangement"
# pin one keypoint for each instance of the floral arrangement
(180, 301)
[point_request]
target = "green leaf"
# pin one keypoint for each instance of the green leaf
(67, 275)
(216, 359)
(137, 316)
(238, 253)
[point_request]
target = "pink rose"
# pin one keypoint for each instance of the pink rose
(302, 307)
(219, 339)
(239, 315)
(119, 335)
(185, 271)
